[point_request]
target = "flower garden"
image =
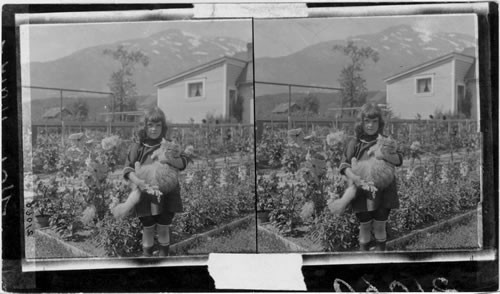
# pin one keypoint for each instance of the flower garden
(297, 177)
(76, 180)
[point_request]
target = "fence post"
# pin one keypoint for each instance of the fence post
(34, 135)
(410, 127)
(222, 136)
(259, 129)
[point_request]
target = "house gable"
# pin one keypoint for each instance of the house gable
(424, 67)
(200, 69)
(429, 87)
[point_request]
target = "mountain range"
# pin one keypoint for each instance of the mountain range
(399, 47)
(170, 52)
(173, 51)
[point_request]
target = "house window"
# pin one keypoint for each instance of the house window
(195, 89)
(424, 85)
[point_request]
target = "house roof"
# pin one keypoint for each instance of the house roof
(54, 112)
(283, 107)
(428, 64)
(246, 75)
(199, 68)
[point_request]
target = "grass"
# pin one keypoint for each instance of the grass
(268, 243)
(47, 248)
(241, 240)
(461, 236)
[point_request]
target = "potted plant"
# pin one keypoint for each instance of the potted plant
(42, 204)
(44, 209)
(264, 206)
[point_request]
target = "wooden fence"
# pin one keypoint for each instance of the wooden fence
(409, 129)
(198, 135)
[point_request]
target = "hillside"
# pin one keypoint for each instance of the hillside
(170, 52)
(399, 47)
(173, 51)
(265, 104)
(95, 106)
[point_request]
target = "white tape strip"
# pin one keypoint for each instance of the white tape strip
(257, 271)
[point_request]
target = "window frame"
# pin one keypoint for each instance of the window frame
(424, 77)
(195, 98)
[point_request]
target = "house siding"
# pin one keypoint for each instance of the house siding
(233, 72)
(405, 103)
(473, 88)
(246, 92)
(172, 99)
(461, 69)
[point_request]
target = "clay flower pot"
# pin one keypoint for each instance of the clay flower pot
(43, 220)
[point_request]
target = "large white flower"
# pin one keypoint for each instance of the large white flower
(110, 142)
(335, 138)
(415, 145)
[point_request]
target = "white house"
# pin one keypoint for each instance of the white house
(214, 88)
(447, 84)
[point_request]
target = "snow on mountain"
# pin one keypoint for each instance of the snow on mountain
(170, 52)
(399, 47)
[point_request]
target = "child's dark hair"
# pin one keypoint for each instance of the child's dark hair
(152, 114)
(369, 110)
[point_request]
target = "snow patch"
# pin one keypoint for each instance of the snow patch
(200, 53)
(178, 56)
(177, 43)
(409, 51)
(385, 38)
(187, 34)
(451, 35)
(425, 36)
(431, 48)
(453, 43)
(387, 47)
(195, 42)
(408, 39)
(156, 52)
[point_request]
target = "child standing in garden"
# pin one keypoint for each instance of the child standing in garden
(155, 213)
(372, 212)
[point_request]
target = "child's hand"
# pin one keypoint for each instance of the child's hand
(356, 180)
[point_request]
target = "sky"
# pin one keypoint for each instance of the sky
(283, 37)
(53, 41)
(272, 37)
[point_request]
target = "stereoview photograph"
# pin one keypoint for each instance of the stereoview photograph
(367, 134)
(138, 139)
